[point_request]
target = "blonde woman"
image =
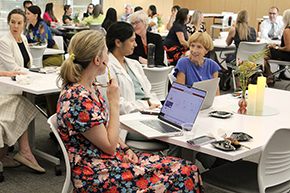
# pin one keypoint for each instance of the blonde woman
(100, 160)
(196, 24)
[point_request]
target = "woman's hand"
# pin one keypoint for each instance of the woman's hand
(130, 157)
(113, 91)
(11, 73)
(271, 46)
(154, 106)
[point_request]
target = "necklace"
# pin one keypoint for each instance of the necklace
(199, 72)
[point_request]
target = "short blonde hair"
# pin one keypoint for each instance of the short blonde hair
(83, 48)
(139, 15)
(203, 38)
(286, 17)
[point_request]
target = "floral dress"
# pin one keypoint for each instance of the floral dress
(96, 171)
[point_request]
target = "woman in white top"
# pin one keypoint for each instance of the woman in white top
(152, 18)
(135, 87)
(14, 56)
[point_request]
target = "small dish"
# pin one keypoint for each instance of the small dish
(241, 136)
(225, 145)
(221, 114)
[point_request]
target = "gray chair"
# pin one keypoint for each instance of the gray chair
(53, 125)
(271, 174)
(284, 64)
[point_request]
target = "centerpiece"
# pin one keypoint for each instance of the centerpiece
(245, 70)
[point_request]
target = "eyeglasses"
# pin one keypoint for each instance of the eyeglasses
(136, 23)
(109, 75)
(272, 13)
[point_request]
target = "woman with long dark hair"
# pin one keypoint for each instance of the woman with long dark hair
(175, 43)
(49, 16)
(111, 17)
(152, 18)
(96, 18)
(66, 19)
(89, 11)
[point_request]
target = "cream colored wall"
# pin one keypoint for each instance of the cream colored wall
(256, 9)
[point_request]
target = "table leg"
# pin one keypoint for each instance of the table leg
(31, 137)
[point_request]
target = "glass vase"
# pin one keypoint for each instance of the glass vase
(242, 105)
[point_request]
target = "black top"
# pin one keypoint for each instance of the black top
(140, 50)
(86, 14)
(24, 53)
(251, 37)
(172, 39)
(282, 39)
(64, 17)
(107, 23)
(192, 29)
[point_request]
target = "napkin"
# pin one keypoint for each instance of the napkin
(23, 80)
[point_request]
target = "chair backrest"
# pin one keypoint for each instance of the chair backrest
(274, 165)
(234, 18)
(37, 53)
(95, 26)
(53, 125)
(171, 77)
(59, 41)
(158, 77)
(227, 20)
(247, 49)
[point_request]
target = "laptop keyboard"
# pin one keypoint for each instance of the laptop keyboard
(159, 126)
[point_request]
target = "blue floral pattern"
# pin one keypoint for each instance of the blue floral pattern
(96, 171)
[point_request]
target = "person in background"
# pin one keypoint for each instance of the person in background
(16, 111)
(100, 160)
(49, 16)
(281, 52)
(89, 11)
(111, 17)
(240, 32)
(138, 8)
(171, 18)
(175, 43)
(66, 19)
(129, 10)
(152, 18)
(96, 18)
(272, 28)
(39, 32)
(27, 4)
(139, 21)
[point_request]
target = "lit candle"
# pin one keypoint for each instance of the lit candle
(261, 82)
(252, 92)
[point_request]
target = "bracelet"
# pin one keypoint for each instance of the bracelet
(126, 149)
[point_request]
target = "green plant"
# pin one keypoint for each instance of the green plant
(76, 16)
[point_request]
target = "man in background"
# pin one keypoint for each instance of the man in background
(27, 4)
(272, 28)
(129, 10)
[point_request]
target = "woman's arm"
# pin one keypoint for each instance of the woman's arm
(130, 156)
(231, 35)
(215, 75)
(170, 22)
(107, 139)
(153, 22)
(180, 78)
(181, 39)
(11, 73)
(286, 35)
(67, 21)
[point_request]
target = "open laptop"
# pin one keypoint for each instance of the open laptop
(210, 86)
(181, 105)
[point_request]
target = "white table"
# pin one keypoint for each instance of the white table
(50, 51)
(72, 27)
(259, 127)
(42, 84)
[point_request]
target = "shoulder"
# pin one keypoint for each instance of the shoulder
(183, 60)
(152, 35)
(211, 62)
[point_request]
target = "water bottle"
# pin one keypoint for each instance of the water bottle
(150, 55)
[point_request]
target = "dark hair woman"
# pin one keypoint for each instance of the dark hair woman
(89, 11)
(152, 18)
(111, 17)
(49, 16)
(66, 19)
(96, 18)
(175, 43)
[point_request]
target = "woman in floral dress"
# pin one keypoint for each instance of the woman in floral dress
(100, 160)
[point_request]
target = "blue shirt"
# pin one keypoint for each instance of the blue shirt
(194, 73)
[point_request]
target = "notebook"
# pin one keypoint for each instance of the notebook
(210, 86)
(181, 105)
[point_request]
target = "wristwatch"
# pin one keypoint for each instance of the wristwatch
(276, 47)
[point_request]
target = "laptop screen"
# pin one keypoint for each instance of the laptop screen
(182, 104)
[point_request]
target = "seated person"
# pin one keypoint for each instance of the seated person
(96, 18)
(282, 52)
(111, 17)
(100, 160)
(171, 18)
(139, 21)
(152, 18)
(49, 16)
(89, 11)
(175, 43)
(66, 19)
(126, 16)
(272, 28)
(16, 111)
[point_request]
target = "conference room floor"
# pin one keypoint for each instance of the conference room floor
(23, 179)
